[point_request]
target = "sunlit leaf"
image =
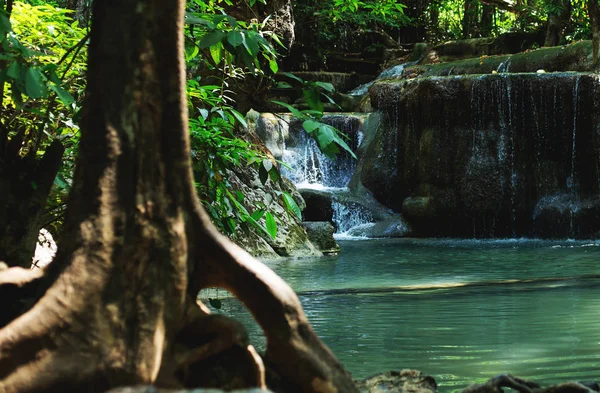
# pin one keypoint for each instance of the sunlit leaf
(291, 205)
(271, 225)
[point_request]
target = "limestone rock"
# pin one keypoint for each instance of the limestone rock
(405, 381)
(320, 234)
(483, 155)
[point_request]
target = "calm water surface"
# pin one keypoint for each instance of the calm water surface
(459, 310)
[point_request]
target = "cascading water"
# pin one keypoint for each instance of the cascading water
(308, 168)
(391, 72)
(520, 159)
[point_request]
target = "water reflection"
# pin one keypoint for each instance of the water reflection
(544, 330)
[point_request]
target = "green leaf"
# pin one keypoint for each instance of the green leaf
(5, 26)
(326, 86)
(273, 65)
(311, 125)
(313, 99)
(294, 111)
(34, 85)
(325, 135)
(250, 43)
(283, 85)
(14, 70)
(218, 19)
(211, 39)
(190, 19)
(258, 214)
(292, 76)
(291, 205)
(62, 183)
(189, 55)
(239, 117)
(216, 52)
(64, 96)
(277, 40)
(235, 38)
(274, 174)
(271, 225)
(232, 21)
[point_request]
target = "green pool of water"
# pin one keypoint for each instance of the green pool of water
(459, 310)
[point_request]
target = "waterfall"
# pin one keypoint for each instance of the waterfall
(495, 155)
(571, 181)
(391, 72)
(308, 168)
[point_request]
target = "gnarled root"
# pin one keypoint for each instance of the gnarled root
(19, 288)
(213, 351)
(496, 385)
(292, 346)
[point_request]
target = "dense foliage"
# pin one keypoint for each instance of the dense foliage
(42, 74)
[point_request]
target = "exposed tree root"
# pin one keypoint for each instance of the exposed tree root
(277, 309)
(20, 288)
(498, 383)
(118, 304)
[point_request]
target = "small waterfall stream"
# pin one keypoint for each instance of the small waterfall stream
(310, 169)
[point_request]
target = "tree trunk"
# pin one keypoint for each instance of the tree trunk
(558, 21)
(594, 12)
(82, 10)
(118, 304)
(469, 18)
(487, 20)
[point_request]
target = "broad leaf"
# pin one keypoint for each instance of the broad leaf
(216, 52)
(291, 205)
(239, 117)
(211, 39)
(326, 86)
(14, 70)
(258, 214)
(235, 38)
(34, 84)
(273, 65)
(250, 42)
(271, 225)
(64, 96)
(5, 26)
(311, 125)
(294, 111)
(292, 76)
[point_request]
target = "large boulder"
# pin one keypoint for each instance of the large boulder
(405, 381)
(320, 234)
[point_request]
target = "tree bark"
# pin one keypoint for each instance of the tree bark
(558, 22)
(118, 304)
(594, 12)
(487, 20)
(469, 18)
(25, 183)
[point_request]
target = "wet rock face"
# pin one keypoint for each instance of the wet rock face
(320, 233)
(489, 154)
